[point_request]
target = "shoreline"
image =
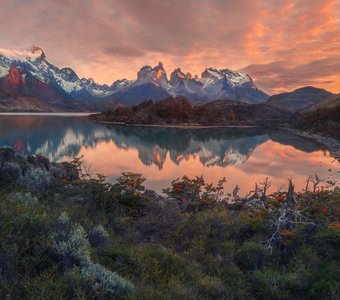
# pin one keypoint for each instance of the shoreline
(332, 143)
(75, 114)
(183, 126)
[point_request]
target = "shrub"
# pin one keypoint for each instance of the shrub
(161, 221)
(131, 182)
(274, 284)
(212, 288)
(72, 249)
(128, 193)
(26, 198)
(103, 282)
(37, 179)
(195, 194)
(24, 243)
(11, 170)
(70, 243)
(98, 236)
(250, 256)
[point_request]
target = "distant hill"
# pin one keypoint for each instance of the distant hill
(26, 103)
(246, 112)
(323, 117)
(299, 99)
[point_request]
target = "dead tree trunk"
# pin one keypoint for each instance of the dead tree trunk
(290, 194)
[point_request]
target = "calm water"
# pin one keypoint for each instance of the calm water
(242, 156)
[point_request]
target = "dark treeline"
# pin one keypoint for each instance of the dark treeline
(179, 111)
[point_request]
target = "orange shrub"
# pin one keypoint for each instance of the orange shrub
(287, 233)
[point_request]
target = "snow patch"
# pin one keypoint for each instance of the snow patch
(4, 71)
(207, 81)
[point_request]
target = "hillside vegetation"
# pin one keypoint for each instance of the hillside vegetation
(307, 108)
(179, 111)
(66, 234)
(324, 117)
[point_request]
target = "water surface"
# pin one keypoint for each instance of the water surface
(243, 156)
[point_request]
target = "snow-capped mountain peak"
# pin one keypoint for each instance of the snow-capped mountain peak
(235, 78)
(151, 83)
(228, 84)
(212, 73)
(156, 76)
(65, 80)
(149, 74)
(69, 74)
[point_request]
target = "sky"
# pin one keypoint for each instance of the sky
(282, 44)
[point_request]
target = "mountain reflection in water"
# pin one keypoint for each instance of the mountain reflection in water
(163, 154)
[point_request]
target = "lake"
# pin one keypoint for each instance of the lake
(243, 156)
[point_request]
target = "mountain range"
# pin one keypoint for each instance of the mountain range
(29, 82)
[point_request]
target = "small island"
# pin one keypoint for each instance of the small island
(321, 118)
(180, 112)
(319, 122)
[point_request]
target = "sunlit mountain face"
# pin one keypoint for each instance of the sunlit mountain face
(164, 154)
(28, 73)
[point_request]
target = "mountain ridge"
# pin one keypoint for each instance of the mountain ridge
(48, 82)
(27, 75)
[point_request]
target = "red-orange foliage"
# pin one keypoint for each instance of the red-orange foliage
(287, 233)
(132, 182)
(280, 198)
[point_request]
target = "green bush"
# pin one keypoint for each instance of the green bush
(98, 236)
(250, 256)
(70, 243)
(103, 283)
(156, 248)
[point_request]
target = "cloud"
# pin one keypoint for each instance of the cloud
(280, 75)
(110, 39)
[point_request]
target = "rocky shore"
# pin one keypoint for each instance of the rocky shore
(331, 143)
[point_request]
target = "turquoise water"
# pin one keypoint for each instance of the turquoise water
(243, 156)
